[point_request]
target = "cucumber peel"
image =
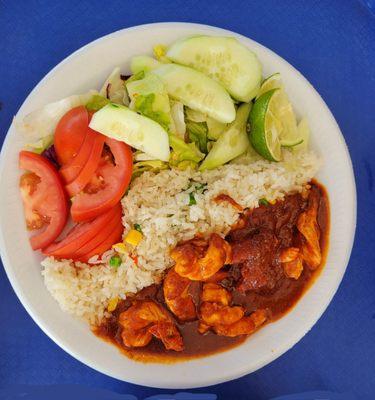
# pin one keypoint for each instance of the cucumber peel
(232, 143)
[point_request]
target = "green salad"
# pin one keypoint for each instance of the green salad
(198, 103)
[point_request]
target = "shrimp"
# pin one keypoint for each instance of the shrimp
(291, 260)
(177, 297)
(245, 326)
(226, 320)
(196, 263)
(216, 314)
(308, 226)
(216, 294)
(145, 319)
(167, 332)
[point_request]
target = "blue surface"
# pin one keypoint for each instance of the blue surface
(332, 44)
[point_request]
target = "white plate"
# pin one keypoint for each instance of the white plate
(86, 69)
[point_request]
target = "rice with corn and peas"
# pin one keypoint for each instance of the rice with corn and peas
(171, 206)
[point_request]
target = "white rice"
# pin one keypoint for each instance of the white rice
(159, 203)
(84, 291)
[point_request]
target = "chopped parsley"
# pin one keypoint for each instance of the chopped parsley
(138, 228)
(192, 200)
(263, 202)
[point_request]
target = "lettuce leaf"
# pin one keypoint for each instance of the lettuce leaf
(149, 165)
(97, 102)
(140, 156)
(114, 89)
(194, 115)
(146, 105)
(178, 125)
(183, 154)
(135, 77)
(41, 123)
(149, 97)
(197, 132)
(40, 145)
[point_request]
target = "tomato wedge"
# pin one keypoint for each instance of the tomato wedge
(70, 133)
(71, 170)
(44, 198)
(116, 179)
(88, 170)
(114, 237)
(98, 239)
(81, 234)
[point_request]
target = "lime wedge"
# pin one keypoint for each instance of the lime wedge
(282, 110)
(272, 82)
(265, 127)
(304, 132)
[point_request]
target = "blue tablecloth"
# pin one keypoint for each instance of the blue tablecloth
(333, 44)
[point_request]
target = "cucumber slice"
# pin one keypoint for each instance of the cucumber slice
(215, 128)
(224, 59)
(197, 91)
(232, 143)
(143, 63)
(142, 133)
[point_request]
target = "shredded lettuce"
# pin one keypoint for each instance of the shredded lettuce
(40, 145)
(149, 97)
(97, 102)
(178, 125)
(197, 132)
(114, 88)
(135, 77)
(194, 115)
(150, 165)
(183, 165)
(41, 123)
(140, 156)
(215, 128)
(146, 105)
(184, 154)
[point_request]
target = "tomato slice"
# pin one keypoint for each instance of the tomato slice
(81, 234)
(88, 170)
(114, 237)
(70, 133)
(71, 170)
(99, 239)
(44, 198)
(115, 178)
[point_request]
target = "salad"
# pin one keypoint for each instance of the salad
(198, 104)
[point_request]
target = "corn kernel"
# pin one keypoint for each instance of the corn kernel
(272, 202)
(112, 304)
(133, 237)
(160, 51)
(120, 248)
